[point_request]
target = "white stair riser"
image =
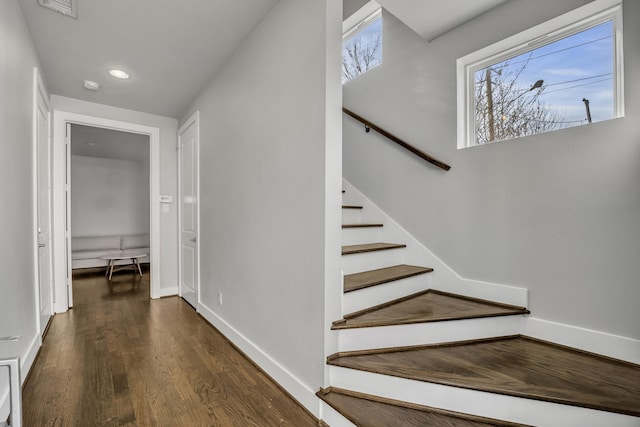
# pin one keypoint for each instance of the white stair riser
(378, 294)
(360, 235)
(492, 405)
(428, 333)
(351, 216)
(356, 263)
(333, 417)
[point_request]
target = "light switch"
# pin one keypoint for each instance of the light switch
(165, 208)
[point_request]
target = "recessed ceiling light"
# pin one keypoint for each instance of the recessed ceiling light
(91, 85)
(119, 74)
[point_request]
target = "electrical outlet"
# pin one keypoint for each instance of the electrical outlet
(219, 298)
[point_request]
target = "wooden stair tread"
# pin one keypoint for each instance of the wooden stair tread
(517, 366)
(372, 411)
(351, 207)
(425, 306)
(365, 279)
(361, 225)
(370, 247)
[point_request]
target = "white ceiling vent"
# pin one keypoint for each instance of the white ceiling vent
(66, 7)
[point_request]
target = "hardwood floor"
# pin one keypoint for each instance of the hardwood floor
(118, 358)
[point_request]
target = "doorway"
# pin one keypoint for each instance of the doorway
(61, 196)
(109, 200)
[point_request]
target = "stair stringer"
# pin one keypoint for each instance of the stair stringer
(443, 277)
(481, 403)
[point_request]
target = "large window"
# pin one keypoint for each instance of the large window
(565, 72)
(362, 41)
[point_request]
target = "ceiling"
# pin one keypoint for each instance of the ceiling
(91, 141)
(432, 18)
(171, 49)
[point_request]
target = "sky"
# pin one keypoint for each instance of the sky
(576, 67)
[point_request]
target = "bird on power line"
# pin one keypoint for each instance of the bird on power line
(536, 85)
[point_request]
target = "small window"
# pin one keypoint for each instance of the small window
(362, 41)
(563, 73)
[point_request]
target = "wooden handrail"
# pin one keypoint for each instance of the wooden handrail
(397, 140)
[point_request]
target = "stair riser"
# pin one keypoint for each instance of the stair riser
(378, 294)
(356, 263)
(333, 417)
(361, 235)
(428, 333)
(508, 408)
(351, 216)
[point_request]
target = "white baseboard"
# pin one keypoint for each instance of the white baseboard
(610, 345)
(300, 391)
(168, 292)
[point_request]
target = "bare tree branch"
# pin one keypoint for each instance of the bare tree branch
(517, 110)
(358, 57)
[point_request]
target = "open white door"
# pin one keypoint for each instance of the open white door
(188, 136)
(42, 139)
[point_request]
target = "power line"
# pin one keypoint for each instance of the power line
(571, 87)
(580, 79)
(559, 50)
(546, 54)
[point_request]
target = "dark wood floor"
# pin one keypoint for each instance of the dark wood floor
(118, 358)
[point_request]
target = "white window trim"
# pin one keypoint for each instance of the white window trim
(557, 28)
(361, 19)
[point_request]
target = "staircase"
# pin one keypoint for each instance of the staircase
(413, 353)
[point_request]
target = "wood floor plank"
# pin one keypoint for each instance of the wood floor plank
(372, 411)
(517, 366)
(370, 247)
(425, 306)
(118, 358)
(365, 279)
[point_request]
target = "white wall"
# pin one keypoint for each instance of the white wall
(168, 174)
(17, 282)
(109, 196)
(264, 155)
(557, 213)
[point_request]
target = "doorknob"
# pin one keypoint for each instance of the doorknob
(41, 245)
(193, 239)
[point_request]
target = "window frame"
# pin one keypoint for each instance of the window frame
(359, 21)
(575, 21)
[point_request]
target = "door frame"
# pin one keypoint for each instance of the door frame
(40, 92)
(195, 121)
(62, 253)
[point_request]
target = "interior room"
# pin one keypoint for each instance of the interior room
(110, 198)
